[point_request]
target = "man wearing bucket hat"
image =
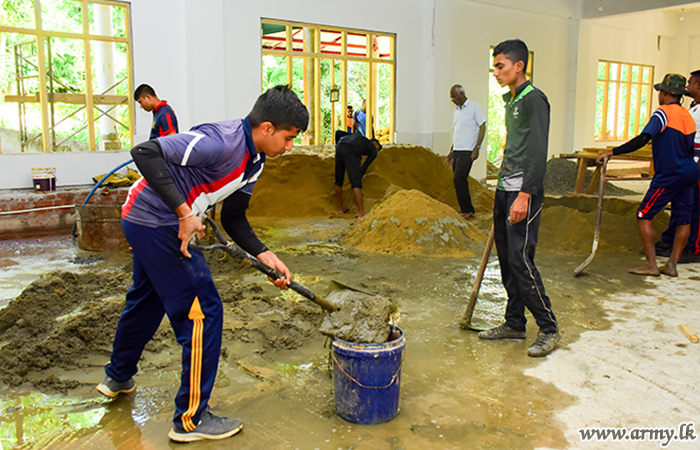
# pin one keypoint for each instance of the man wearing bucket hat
(671, 130)
(691, 252)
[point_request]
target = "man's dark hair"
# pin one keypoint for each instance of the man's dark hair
(376, 142)
(143, 91)
(695, 73)
(349, 106)
(281, 107)
(513, 49)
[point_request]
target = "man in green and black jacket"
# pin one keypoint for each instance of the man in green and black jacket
(518, 203)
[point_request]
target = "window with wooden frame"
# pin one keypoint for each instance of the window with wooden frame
(66, 76)
(623, 100)
(333, 69)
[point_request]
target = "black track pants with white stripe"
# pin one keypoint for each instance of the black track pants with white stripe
(516, 246)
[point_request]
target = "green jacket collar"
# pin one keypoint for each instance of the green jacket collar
(520, 91)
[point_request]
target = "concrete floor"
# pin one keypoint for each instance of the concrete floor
(623, 362)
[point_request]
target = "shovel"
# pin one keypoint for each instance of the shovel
(236, 252)
(596, 235)
(467, 321)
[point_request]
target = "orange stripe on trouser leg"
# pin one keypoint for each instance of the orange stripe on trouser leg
(197, 316)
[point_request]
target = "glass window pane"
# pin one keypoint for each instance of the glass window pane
(600, 94)
(18, 14)
(61, 15)
(384, 47)
(106, 20)
(612, 111)
(646, 78)
(622, 111)
(21, 121)
(634, 100)
(357, 44)
(331, 42)
(274, 36)
(383, 106)
(613, 71)
(644, 105)
(635, 73)
(624, 72)
(274, 71)
(601, 70)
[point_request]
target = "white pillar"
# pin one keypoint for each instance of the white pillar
(104, 66)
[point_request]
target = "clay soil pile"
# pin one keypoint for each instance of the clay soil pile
(300, 183)
(568, 224)
(410, 222)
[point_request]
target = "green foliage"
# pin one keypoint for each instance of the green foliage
(496, 127)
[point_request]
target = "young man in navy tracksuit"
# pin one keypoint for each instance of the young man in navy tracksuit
(518, 203)
(164, 119)
(183, 176)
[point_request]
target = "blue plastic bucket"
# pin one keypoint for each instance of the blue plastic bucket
(366, 378)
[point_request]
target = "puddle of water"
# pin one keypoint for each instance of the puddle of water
(23, 260)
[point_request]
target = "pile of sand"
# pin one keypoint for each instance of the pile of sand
(568, 225)
(300, 183)
(410, 222)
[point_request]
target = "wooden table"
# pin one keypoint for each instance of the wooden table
(587, 157)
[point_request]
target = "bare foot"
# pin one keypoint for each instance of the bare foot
(466, 215)
(343, 211)
(645, 270)
(669, 270)
(360, 215)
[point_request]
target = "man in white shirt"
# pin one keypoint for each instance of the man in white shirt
(469, 125)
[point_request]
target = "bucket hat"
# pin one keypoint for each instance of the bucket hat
(673, 83)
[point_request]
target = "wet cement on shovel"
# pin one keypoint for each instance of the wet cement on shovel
(361, 318)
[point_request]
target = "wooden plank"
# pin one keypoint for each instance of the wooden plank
(581, 175)
(594, 181)
(73, 99)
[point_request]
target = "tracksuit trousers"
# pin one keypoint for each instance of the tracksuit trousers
(461, 166)
(516, 246)
(165, 282)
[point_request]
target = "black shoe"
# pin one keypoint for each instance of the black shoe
(663, 249)
(544, 344)
(688, 257)
(501, 332)
(112, 388)
(210, 427)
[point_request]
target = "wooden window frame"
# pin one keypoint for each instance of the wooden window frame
(89, 99)
(315, 55)
(636, 88)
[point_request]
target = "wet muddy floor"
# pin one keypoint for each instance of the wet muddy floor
(457, 392)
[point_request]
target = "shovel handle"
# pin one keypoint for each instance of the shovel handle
(479, 277)
(251, 260)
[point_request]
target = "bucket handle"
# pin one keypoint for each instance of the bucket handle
(403, 355)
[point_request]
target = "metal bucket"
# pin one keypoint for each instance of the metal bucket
(100, 228)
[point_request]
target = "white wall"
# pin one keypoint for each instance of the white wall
(654, 38)
(204, 58)
(546, 30)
